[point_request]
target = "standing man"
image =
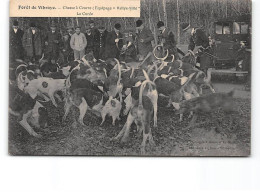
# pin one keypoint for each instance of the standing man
(167, 40)
(70, 31)
(101, 42)
(78, 43)
(144, 40)
(114, 42)
(129, 52)
(66, 49)
(95, 34)
(33, 43)
(53, 43)
(199, 41)
(90, 39)
(93, 28)
(16, 45)
(198, 37)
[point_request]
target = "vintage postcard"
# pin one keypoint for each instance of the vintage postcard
(130, 77)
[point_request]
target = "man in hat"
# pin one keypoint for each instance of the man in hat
(53, 43)
(78, 43)
(90, 39)
(197, 36)
(198, 41)
(166, 38)
(70, 31)
(16, 45)
(33, 43)
(92, 27)
(144, 40)
(95, 34)
(129, 52)
(66, 49)
(102, 35)
(114, 42)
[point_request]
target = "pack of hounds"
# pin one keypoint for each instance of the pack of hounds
(112, 88)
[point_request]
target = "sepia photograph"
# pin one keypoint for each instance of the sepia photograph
(175, 81)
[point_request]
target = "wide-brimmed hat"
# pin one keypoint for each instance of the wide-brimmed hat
(118, 26)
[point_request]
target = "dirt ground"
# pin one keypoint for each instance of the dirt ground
(216, 134)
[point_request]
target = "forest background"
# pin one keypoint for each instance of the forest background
(199, 13)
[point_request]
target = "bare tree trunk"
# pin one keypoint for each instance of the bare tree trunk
(226, 8)
(178, 22)
(199, 10)
(149, 13)
(85, 24)
(125, 22)
(189, 11)
(164, 13)
(77, 21)
(155, 35)
(72, 22)
(158, 9)
(110, 25)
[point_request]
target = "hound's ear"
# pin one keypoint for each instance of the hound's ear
(172, 58)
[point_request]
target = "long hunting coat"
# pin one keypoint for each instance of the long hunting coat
(102, 44)
(112, 49)
(33, 43)
(198, 38)
(16, 45)
(54, 43)
(146, 46)
(167, 39)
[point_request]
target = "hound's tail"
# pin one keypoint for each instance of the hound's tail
(144, 83)
(67, 82)
(42, 58)
(119, 71)
(155, 75)
(207, 79)
(187, 82)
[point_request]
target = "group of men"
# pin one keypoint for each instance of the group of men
(32, 43)
(133, 44)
